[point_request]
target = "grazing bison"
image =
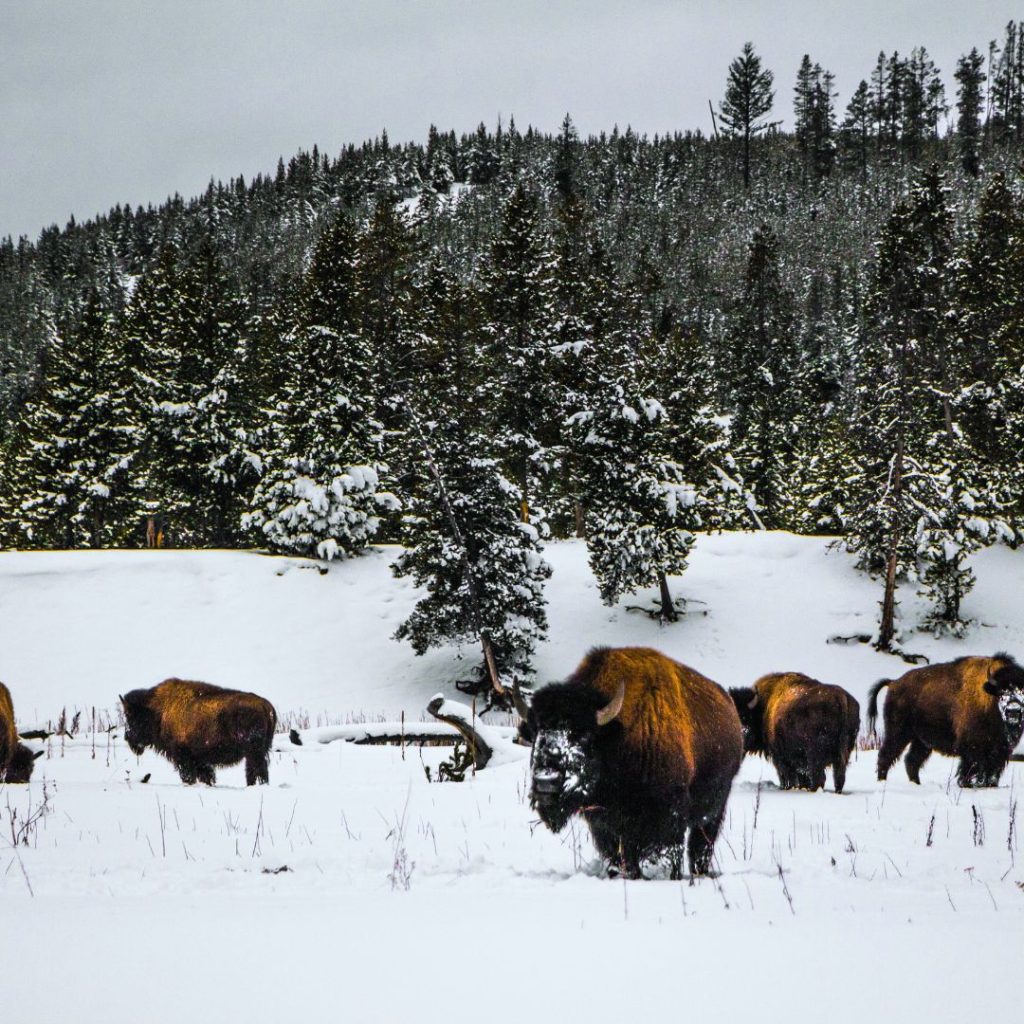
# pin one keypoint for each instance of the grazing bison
(198, 727)
(801, 726)
(16, 760)
(644, 748)
(971, 708)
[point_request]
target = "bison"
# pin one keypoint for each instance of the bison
(801, 726)
(644, 749)
(16, 760)
(198, 727)
(971, 708)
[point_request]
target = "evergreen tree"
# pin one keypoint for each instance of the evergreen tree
(634, 501)
(859, 127)
(764, 365)
(320, 492)
(1006, 96)
(971, 78)
(748, 100)
(467, 546)
(518, 298)
(814, 116)
(77, 443)
(466, 541)
(916, 505)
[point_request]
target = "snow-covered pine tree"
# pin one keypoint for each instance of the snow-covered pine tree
(637, 506)
(918, 508)
(763, 371)
(823, 455)
(77, 442)
(183, 332)
(517, 391)
(467, 543)
(320, 492)
(698, 439)
(958, 513)
(989, 306)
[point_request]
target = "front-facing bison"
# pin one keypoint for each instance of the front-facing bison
(801, 726)
(644, 748)
(971, 708)
(199, 727)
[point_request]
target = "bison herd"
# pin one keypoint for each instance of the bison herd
(642, 747)
(645, 749)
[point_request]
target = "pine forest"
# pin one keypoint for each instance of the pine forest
(471, 345)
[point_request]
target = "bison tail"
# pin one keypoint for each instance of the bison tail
(873, 704)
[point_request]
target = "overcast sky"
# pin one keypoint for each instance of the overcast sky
(107, 101)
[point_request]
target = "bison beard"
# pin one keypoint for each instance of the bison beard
(644, 748)
(971, 708)
(199, 727)
(801, 726)
(16, 760)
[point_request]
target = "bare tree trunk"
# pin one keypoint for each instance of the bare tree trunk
(478, 746)
(887, 627)
(492, 667)
(668, 609)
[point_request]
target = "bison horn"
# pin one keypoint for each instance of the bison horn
(752, 703)
(38, 754)
(611, 710)
(518, 699)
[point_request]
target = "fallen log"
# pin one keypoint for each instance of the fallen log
(454, 714)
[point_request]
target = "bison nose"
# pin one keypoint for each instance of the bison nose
(548, 782)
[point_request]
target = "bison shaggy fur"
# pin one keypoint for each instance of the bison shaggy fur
(801, 726)
(16, 760)
(644, 748)
(971, 708)
(199, 727)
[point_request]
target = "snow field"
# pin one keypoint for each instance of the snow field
(408, 900)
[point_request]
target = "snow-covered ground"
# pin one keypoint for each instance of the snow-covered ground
(409, 900)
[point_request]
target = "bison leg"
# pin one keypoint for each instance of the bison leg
(257, 769)
(701, 842)
(916, 757)
(816, 778)
(977, 770)
(206, 774)
(187, 769)
(892, 746)
(839, 771)
(787, 775)
(623, 857)
(675, 863)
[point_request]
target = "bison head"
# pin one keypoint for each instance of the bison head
(566, 723)
(140, 722)
(751, 712)
(1006, 684)
(19, 769)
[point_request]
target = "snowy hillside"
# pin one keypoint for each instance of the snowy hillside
(80, 628)
(354, 888)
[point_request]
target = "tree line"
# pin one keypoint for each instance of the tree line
(484, 341)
